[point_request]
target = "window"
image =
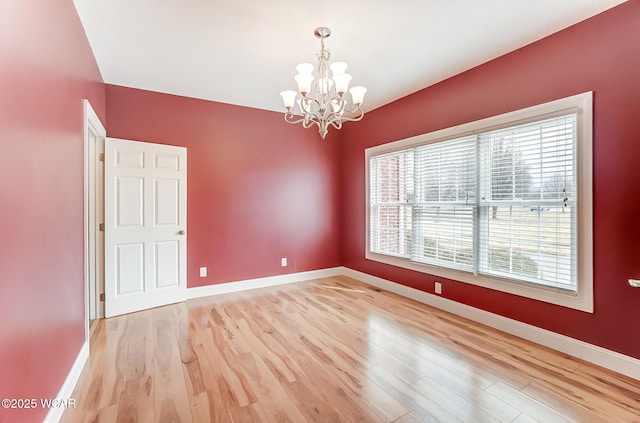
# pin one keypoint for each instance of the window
(503, 203)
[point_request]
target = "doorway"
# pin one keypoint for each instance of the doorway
(135, 254)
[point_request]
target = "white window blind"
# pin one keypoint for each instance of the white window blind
(390, 214)
(445, 180)
(527, 213)
(497, 202)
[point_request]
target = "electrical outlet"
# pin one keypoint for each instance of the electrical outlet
(203, 272)
(438, 288)
(284, 262)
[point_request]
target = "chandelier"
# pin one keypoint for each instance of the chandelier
(322, 98)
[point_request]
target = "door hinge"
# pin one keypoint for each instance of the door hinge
(101, 227)
(101, 157)
(102, 297)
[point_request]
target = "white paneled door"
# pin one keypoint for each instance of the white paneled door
(145, 225)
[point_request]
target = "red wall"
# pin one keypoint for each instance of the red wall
(600, 55)
(46, 69)
(258, 188)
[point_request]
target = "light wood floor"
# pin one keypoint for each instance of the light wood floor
(332, 350)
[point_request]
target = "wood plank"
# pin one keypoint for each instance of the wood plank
(471, 404)
(408, 418)
(528, 405)
(171, 403)
(252, 413)
(277, 405)
(569, 409)
(209, 407)
(137, 402)
(419, 404)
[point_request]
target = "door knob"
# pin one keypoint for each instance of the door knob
(181, 232)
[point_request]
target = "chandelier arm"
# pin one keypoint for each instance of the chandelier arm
(289, 118)
(313, 117)
(338, 114)
(308, 109)
(306, 120)
(337, 117)
(354, 119)
(308, 123)
(336, 123)
(332, 118)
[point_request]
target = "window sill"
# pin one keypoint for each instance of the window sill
(582, 301)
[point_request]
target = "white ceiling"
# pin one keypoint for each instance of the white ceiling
(245, 52)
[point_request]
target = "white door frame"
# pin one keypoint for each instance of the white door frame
(92, 126)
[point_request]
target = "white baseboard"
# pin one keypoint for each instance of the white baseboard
(225, 288)
(608, 359)
(66, 391)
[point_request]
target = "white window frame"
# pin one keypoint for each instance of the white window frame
(582, 299)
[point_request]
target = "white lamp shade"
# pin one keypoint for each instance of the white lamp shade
(304, 68)
(304, 82)
(357, 94)
(289, 98)
(342, 82)
(338, 67)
